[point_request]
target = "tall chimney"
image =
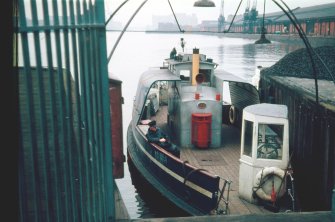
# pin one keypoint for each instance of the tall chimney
(195, 65)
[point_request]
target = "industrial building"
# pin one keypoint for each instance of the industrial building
(315, 20)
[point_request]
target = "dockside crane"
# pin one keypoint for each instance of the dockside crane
(253, 16)
(221, 19)
(253, 12)
(246, 12)
(250, 17)
(246, 17)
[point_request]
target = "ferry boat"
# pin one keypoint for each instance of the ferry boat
(234, 151)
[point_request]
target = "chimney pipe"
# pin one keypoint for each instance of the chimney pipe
(195, 65)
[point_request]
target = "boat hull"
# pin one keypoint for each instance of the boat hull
(192, 189)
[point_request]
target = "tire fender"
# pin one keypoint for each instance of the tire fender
(232, 115)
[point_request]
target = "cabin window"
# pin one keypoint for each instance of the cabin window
(270, 141)
(248, 128)
(185, 75)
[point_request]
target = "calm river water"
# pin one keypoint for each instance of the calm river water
(138, 51)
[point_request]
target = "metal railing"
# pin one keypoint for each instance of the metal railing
(65, 159)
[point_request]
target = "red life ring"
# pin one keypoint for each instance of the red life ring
(262, 176)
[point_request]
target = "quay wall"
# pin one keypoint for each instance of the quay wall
(324, 216)
(315, 41)
(312, 124)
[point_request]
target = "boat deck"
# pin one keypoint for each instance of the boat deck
(222, 161)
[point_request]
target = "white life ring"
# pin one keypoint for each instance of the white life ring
(232, 115)
(265, 193)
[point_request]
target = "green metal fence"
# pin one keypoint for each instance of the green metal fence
(65, 159)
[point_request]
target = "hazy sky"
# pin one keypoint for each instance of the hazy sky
(161, 7)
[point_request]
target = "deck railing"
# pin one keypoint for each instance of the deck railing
(65, 160)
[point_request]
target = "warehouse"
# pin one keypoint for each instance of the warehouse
(315, 20)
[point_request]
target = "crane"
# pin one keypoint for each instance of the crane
(250, 16)
(253, 12)
(221, 18)
(254, 4)
(246, 12)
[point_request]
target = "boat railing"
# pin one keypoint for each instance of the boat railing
(225, 199)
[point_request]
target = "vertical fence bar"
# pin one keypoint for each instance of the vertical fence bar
(28, 188)
(90, 110)
(54, 142)
(100, 119)
(77, 119)
(88, 105)
(85, 127)
(69, 118)
(43, 134)
(107, 146)
(60, 152)
(95, 104)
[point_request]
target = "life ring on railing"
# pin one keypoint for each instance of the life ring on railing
(265, 174)
(232, 114)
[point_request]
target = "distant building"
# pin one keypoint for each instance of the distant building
(315, 20)
(167, 26)
(209, 26)
(183, 19)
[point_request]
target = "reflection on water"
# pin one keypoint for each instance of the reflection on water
(137, 52)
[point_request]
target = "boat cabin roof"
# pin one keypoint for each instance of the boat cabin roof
(242, 93)
(187, 58)
(270, 110)
(145, 82)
